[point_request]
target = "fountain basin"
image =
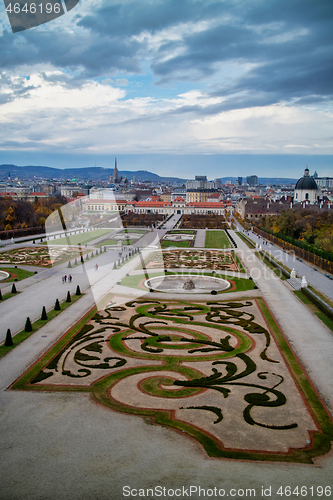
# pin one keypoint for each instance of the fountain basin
(176, 283)
(4, 275)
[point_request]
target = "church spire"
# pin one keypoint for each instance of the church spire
(115, 177)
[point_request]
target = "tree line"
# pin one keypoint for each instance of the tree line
(310, 227)
(20, 214)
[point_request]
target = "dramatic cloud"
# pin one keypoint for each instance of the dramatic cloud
(172, 76)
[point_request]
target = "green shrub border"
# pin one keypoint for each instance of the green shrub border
(248, 242)
(22, 383)
(8, 296)
(314, 309)
(325, 308)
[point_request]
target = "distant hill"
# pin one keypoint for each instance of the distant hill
(103, 174)
(87, 173)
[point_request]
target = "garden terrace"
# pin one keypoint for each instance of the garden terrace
(39, 256)
(126, 237)
(219, 371)
(195, 259)
(178, 239)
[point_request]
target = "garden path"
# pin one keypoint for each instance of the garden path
(310, 338)
(200, 238)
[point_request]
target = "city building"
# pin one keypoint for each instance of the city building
(255, 208)
(200, 182)
(252, 180)
(324, 182)
(306, 189)
(179, 206)
(176, 193)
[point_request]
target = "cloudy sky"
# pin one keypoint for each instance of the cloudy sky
(163, 79)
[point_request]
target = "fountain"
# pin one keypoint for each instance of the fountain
(187, 283)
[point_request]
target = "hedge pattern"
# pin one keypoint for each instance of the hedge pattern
(220, 371)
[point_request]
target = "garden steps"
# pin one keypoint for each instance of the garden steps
(295, 283)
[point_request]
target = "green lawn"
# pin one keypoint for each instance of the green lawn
(184, 244)
(8, 296)
(21, 274)
(112, 242)
(242, 284)
(275, 270)
(182, 231)
(217, 239)
(314, 309)
(82, 238)
(241, 267)
(136, 231)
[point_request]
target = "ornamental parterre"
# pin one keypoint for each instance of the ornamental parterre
(221, 372)
(198, 259)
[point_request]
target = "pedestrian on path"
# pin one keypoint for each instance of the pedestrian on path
(70, 278)
(65, 278)
(96, 267)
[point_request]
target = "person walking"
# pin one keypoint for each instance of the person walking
(70, 278)
(96, 267)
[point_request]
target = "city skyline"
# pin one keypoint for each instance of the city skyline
(187, 166)
(231, 83)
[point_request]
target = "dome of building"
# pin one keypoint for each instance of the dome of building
(306, 182)
(306, 189)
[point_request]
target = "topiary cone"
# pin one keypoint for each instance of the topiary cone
(57, 306)
(115, 265)
(44, 315)
(75, 262)
(78, 291)
(9, 340)
(14, 288)
(69, 264)
(0, 294)
(68, 297)
(28, 325)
